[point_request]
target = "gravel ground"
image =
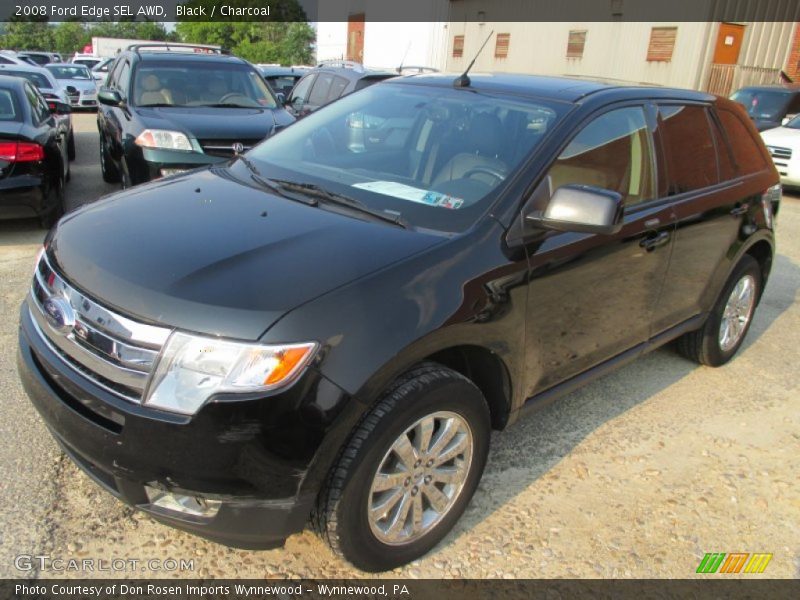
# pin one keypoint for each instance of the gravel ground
(638, 475)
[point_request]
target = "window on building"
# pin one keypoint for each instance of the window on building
(502, 42)
(458, 46)
(662, 43)
(575, 43)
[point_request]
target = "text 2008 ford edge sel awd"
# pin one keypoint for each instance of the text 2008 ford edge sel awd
(327, 327)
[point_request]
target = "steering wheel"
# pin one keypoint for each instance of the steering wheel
(485, 171)
(232, 95)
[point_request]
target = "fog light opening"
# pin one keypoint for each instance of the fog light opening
(196, 506)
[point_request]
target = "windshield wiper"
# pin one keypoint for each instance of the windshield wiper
(227, 105)
(316, 191)
(270, 184)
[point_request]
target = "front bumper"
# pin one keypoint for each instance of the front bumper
(250, 455)
(147, 164)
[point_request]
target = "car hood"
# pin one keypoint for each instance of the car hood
(217, 123)
(764, 124)
(205, 252)
(79, 84)
(781, 136)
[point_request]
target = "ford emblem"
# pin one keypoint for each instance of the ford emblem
(59, 314)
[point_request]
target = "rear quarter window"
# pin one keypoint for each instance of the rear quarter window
(8, 106)
(689, 148)
(746, 150)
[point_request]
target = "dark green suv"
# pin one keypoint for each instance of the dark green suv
(166, 109)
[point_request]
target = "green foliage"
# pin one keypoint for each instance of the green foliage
(261, 42)
(71, 36)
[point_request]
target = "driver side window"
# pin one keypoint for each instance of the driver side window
(613, 152)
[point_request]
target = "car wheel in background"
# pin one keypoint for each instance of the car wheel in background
(107, 166)
(718, 340)
(57, 193)
(408, 471)
(71, 145)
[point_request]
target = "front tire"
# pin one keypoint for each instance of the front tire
(408, 471)
(723, 333)
(107, 166)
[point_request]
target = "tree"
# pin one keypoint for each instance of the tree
(28, 35)
(265, 42)
(70, 37)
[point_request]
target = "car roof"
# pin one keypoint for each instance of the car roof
(180, 55)
(791, 88)
(8, 81)
(269, 70)
(25, 68)
(568, 89)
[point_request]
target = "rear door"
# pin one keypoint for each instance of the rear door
(591, 297)
(709, 204)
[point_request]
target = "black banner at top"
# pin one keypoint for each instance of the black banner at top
(407, 10)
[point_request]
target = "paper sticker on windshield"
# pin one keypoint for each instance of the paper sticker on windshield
(407, 192)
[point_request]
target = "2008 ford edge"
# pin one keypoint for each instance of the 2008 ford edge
(327, 327)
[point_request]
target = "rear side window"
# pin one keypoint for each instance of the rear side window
(689, 148)
(727, 168)
(746, 151)
(612, 152)
(319, 93)
(338, 86)
(8, 109)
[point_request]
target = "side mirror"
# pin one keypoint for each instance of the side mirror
(109, 97)
(281, 98)
(581, 208)
(59, 108)
(787, 118)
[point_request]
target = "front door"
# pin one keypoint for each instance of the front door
(729, 44)
(591, 297)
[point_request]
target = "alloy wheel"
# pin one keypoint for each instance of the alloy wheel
(737, 313)
(420, 478)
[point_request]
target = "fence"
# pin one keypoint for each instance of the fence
(724, 79)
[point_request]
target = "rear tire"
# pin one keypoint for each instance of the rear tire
(71, 145)
(107, 166)
(421, 488)
(47, 221)
(723, 333)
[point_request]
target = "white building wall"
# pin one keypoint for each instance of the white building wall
(331, 40)
(613, 50)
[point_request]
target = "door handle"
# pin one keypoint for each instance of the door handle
(652, 242)
(740, 210)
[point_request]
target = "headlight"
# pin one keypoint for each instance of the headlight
(193, 368)
(162, 138)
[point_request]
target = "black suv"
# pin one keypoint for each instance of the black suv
(329, 81)
(769, 106)
(165, 110)
(328, 327)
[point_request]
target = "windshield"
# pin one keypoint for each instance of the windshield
(37, 79)
(763, 104)
(88, 62)
(200, 83)
(69, 72)
(433, 155)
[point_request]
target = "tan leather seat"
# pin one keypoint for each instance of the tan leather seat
(153, 92)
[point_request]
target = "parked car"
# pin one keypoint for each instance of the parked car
(769, 105)
(34, 165)
(88, 60)
(329, 81)
(47, 85)
(783, 144)
(40, 58)
(78, 82)
(312, 331)
(10, 58)
(100, 70)
(162, 112)
(281, 80)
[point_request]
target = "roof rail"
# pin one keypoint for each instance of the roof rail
(345, 64)
(179, 47)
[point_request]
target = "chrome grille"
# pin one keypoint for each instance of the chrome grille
(780, 153)
(225, 147)
(115, 352)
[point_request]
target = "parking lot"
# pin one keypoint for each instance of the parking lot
(637, 475)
